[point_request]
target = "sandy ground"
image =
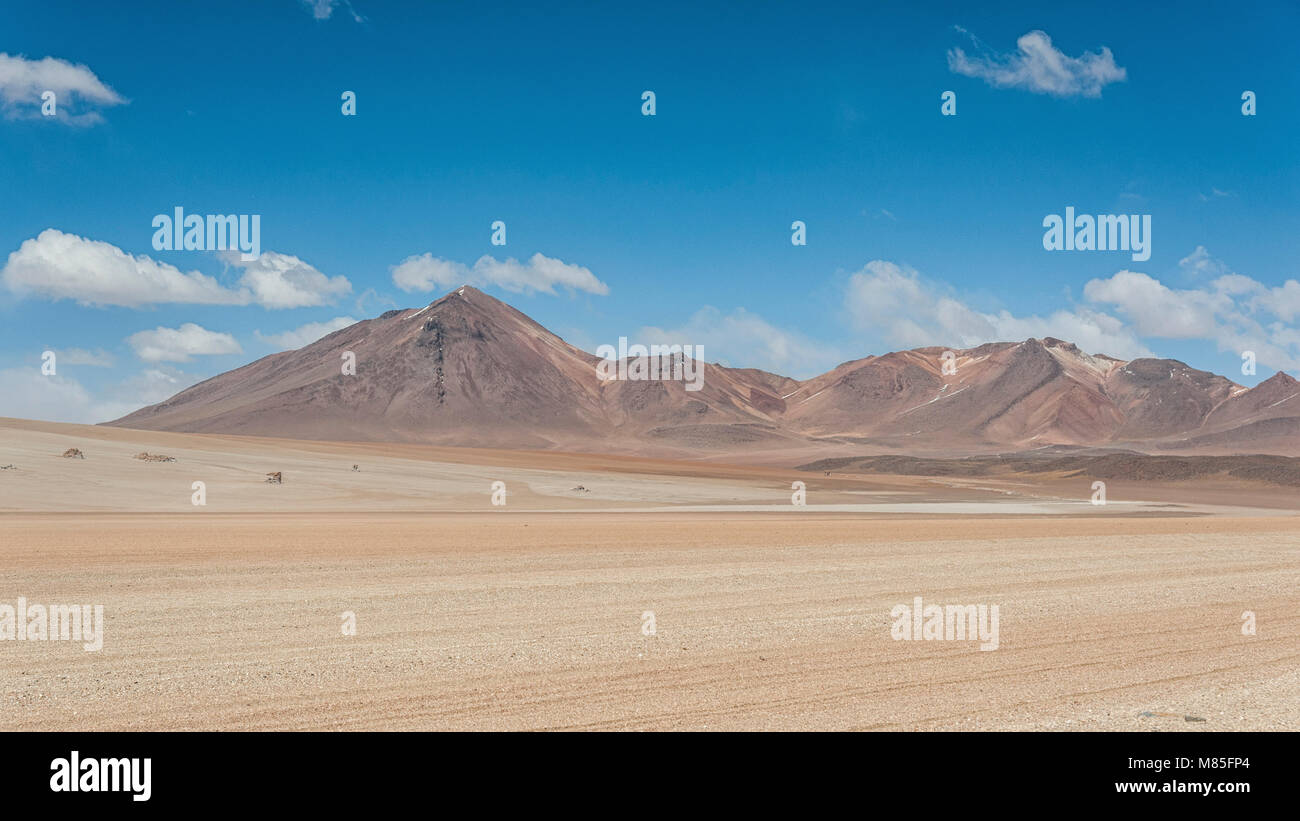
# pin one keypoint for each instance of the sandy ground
(530, 616)
(319, 477)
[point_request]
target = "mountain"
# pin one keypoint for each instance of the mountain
(466, 370)
(470, 370)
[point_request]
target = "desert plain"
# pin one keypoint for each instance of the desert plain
(532, 615)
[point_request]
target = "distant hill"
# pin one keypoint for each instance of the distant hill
(470, 370)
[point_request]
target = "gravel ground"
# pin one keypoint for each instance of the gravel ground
(762, 621)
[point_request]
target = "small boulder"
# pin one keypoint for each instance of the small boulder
(145, 456)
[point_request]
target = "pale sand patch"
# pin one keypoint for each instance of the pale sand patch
(532, 621)
(529, 616)
(318, 477)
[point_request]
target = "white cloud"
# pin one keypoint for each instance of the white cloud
(284, 281)
(324, 9)
(27, 394)
(97, 358)
(371, 294)
(78, 92)
(1234, 311)
(1283, 302)
(1155, 309)
(153, 385)
(1199, 263)
(65, 266)
(58, 266)
(745, 340)
(306, 334)
(179, 344)
(427, 273)
(541, 273)
(895, 303)
(148, 387)
(1040, 67)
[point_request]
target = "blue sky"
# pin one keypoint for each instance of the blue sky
(921, 228)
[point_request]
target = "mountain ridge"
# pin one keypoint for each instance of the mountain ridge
(469, 369)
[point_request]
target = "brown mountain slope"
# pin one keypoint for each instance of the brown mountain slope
(1000, 393)
(470, 370)
(467, 369)
(1263, 419)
